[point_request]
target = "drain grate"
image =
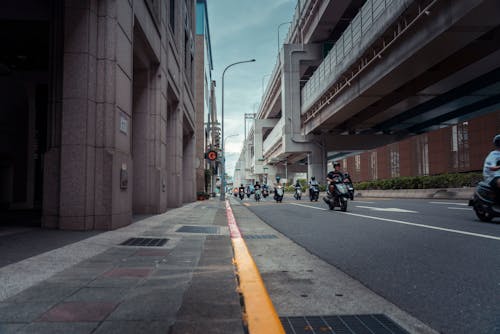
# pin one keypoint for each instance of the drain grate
(260, 236)
(343, 324)
(145, 242)
(199, 229)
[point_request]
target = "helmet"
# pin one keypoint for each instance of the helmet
(256, 182)
(241, 185)
(313, 178)
(278, 179)
(496, 141)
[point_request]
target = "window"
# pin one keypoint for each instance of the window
(357, 163)
(373, 165)
(394, 160)
(460, 146)
(422, 155)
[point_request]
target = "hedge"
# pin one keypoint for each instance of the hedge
(455, 180)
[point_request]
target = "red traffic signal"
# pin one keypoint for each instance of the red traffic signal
(212, 155)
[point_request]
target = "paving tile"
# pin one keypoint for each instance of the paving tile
(78, 312)
(23, 312)
(108, 294)
(59, 328)
(115, 282)
(129, 272)
(44, 292)
(134, 327)
(152, 252)
(233, 326)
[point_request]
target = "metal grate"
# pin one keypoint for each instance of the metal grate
(343, 324)
(260, 236)
(145, 242)
(199, 229)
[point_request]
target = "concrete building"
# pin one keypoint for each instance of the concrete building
(206, 113)
(98, 114)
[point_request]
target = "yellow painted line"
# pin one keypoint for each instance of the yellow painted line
(260, 314)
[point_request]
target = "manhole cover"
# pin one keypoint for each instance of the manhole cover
(343, 324)
(199, 229)
(260, 236)
(145, 242)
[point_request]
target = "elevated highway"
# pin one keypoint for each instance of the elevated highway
(355, 75)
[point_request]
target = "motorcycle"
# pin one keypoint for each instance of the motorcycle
(314, 193)
(278, 194)
(485, 202)
(249, 192)
(298, 193)
(241, 193)
(265, 192)
(257, 195)
(349, 185)
(337, 195)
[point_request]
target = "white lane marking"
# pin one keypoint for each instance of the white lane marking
(408, 223)
(385, 209)
(426, 226)
(453, 208)
(308, 206)
(448, 203)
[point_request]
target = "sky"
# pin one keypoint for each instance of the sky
(241, 30)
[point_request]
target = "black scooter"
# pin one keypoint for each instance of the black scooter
(337, 195)
(485, 202)
(241, 193)
(314, 193)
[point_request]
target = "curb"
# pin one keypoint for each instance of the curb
(436, 193)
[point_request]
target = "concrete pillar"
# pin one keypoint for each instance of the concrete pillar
(188, 170)
(317, 164)
(174, 157)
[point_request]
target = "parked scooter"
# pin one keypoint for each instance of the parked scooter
(298, 193)
(485, 202)
(337, 195)
(349, 185)
(314, 193)
(278, 193)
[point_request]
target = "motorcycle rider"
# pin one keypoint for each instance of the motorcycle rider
(297, 187)
(241, 189)
(491, 170)
(312, 183)
(256, 186)
(331, 177)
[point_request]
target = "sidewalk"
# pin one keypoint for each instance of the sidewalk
(99, 286)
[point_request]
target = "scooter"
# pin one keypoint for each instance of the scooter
(241, 193)
(337, 195)
(349, 185)
(298, 194)
(257, 195)
(485, 202)
(278, 193)
(265, 192)
(314, 193)
(249, 192)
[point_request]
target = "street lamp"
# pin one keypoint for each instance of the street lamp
(223, 179)
(279, 26)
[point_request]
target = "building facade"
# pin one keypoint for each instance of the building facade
(458, 148)
(98, 114)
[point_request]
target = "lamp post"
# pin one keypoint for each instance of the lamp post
(223, 179)
(279, 26)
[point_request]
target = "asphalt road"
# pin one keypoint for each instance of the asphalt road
(431, 258)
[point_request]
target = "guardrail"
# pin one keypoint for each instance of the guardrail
(357, 37)
(273, 137)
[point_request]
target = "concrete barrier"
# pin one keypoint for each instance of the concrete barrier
(436, 193)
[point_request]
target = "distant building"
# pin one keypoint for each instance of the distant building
(98, 114)
(206, 113)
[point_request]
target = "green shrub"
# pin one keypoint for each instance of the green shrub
(454, 180)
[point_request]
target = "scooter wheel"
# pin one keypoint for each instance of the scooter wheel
(482, 214)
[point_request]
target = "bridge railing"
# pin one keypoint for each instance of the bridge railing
(363, 29)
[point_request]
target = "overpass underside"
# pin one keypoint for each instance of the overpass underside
(435, 65)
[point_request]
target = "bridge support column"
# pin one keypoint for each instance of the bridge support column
(317, 164)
